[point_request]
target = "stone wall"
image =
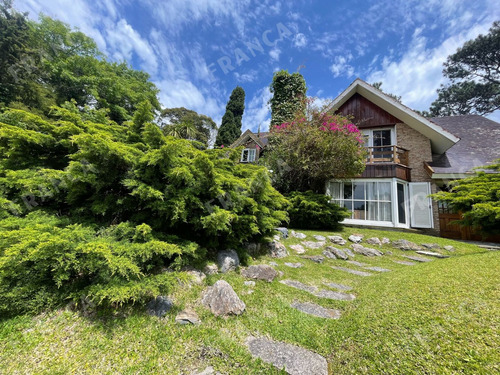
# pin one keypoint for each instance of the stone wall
(419, 151)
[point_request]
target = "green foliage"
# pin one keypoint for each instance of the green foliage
(289, 94)
(230, 128)
(478, 198)
(475, 78)
(308, 151)
(187, 124)
(314, 211)
(44, 261)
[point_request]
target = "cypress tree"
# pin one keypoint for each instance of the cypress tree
(230, 128)
(289, 93)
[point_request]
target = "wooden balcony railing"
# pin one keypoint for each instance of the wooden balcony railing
(387, 154)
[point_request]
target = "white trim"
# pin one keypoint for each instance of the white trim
(249, 154)
(441, 140)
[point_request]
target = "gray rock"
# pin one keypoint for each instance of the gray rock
(432, 246)
(294, 265)
(377, 269)
(449, 248)
(277, 238)
(299, 249)
(253, 248)
(228, 260)
(367, 251)
(314, 258)
(406, 245)
(337, 252)
(359, 264)
(187, 317)
(337, 240)
(294, 359)
(260, 272)
(316, 310)
(197, 276)
(348, 252)
(276, 249)
(374, 241)
(404, 262)
(321, 293)
(354, 272)
(298, 235)
(208, 371)
(417, 259)
(385, 241)
(210, 269)
(355, 238)
(432, 254)
(274, 264)
(338, 286)
(328, 254)
(282, 231)
(313, 245)
(222, 300)
(317, 237)
(249, 283)
(159, 306)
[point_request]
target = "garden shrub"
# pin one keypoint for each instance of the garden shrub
(314, 211)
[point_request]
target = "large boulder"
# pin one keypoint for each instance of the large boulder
(373, 241)
(159, 306)
(222, 300)
(406, 245)
(260, 272)
(355, 238)
(228, 260)
(276, 249)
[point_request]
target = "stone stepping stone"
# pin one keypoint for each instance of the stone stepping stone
(404, 262)
(329, 294)
(294, 265)
(294, 359)
(417, 259)
(299, 249)
(298, 235)
(313, 245)
(432, 254)
(260, 272)
(314, 258)
(317, 237)
(377, 269)
(316, 310)
(354, 272)
(359, 264)
(338, 286)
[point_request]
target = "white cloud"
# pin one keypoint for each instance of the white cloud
(341, 67)
(275, 54)
(418, 73)
(257, 111)
(249, 76)
(299, 40)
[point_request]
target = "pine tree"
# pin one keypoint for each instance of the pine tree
(230, 128)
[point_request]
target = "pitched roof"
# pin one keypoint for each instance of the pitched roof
(479, 143)
(262, 142)
(441, 140)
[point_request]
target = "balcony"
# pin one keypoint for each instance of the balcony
(387, 154)
(387, 162)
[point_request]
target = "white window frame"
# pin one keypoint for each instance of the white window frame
(369, 133)
(250, 155)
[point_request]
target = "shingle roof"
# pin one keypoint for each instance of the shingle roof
(479, 143)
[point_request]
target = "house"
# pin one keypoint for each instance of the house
(409, 157)
(253, 145)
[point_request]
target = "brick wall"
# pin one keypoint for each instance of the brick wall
(419, 151)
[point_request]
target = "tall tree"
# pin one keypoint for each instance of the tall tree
(289, 92)
(188, 124)
(378, 86)
(230, 128)
(474, 71)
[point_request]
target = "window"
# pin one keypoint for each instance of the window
(248, 155)
(366, 200)
(380, 140)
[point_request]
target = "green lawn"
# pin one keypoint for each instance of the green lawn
(441, 317)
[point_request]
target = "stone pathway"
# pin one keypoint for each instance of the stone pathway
(416, 258)
(338, 286)
(432, 254)
(404, 262)
(359, 264)
(377, 269)
(294, 359)
(316, 310)
(294, 265)
(354, 272)
(321, 293)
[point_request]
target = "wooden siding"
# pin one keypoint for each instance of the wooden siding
(366, 114)
(387, 171)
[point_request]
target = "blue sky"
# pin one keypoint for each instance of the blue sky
(197, 51)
